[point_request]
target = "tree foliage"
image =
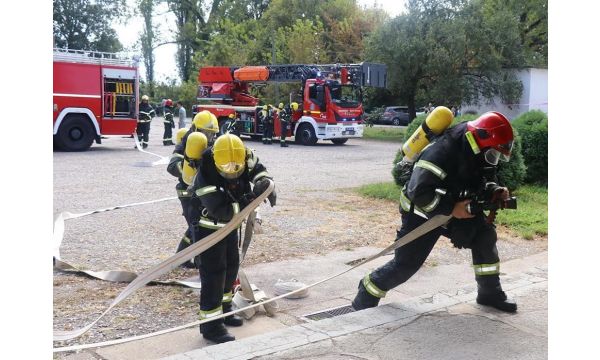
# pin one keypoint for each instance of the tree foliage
(148, 40)
(450, 52)
(86, 24)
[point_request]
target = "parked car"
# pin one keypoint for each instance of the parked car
(395, 115)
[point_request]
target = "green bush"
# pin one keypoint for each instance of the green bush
(374, 116)
(533, 128)
(510, 174)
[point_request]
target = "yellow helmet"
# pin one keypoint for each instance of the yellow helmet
(203, 121)
(229, 154)
(145, 98)
(265, 107)
(179, 135)
(231, 116)
(294, 106)
(280, 105)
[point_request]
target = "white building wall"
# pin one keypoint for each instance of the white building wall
(535, 96)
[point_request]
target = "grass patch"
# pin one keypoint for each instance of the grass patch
(395, 134)
(385, 191)
(531, 216)
(528, 220)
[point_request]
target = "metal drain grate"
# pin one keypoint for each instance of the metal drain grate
(329, 313)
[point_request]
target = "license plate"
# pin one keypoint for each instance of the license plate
(349, 132)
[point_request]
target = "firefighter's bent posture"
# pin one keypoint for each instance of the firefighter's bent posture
(145, 116)
(223, 187)
(205, 123)
(460, 161)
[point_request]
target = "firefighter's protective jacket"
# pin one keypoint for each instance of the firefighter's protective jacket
(169, 116)
(444, 171)
(285, 114)
(220, 198)
(146, 113)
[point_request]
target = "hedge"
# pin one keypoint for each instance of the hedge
(533, 128)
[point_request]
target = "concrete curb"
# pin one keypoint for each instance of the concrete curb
(398, 312)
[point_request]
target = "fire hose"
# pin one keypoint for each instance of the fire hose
(203, 245)
(109, 275)
(162, 159)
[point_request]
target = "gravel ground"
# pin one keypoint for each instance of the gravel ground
(315, 213)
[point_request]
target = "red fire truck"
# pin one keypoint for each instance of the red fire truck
(94, 95)
(330, 99)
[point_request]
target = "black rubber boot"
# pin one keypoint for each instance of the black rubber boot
(216, 332)
(498, 301)
(231, 320)
(363, 299)
(489, 293)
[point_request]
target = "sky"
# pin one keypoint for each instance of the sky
(165, 66)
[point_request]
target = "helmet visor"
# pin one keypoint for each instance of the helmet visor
(231, 170)
(492, 156)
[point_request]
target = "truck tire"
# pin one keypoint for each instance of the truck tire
(306, 135)
(339, 141)
(224, 125)
(75, 133)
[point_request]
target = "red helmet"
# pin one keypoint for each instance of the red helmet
(494, 136)
(169, 102)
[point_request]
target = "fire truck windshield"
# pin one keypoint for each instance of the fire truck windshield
(346, 96)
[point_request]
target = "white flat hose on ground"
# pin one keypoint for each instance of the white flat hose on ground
(171, 263)
(107, 275)
(162, 159)
(179, 258)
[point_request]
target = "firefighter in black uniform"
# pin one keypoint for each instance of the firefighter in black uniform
(461, 161)
(145, 116)
(168, 122)
(285, 118)
(206, 123)
(266, 117)
(223, 187)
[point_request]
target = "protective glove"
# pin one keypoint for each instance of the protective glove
(260, 187)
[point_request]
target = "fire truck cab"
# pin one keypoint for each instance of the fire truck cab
(94, 94)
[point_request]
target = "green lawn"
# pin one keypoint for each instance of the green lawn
(529, 219)
(395, 134)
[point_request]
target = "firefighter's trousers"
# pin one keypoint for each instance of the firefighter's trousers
(284, 126)
(143, 132)
(268, 133)
(409, 258)
(218, 268)
(168, 134)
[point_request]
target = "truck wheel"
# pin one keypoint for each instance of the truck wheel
(339, 141)
(224, 126)
(306, 135)
(76, 133)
